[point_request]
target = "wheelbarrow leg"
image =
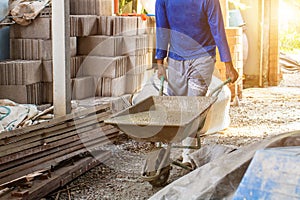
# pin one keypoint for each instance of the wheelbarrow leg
(197, 146)
(157, 167)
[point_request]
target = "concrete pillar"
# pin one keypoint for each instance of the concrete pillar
(61, 57)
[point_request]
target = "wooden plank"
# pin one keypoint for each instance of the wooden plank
(45, 150)
(21, 180)
(266, 44)
(15, 148)
(61, 176)
(19, 146)
(274, 71)
(55, 121)
(47, 165)
(40, 148)
(21, 158)
(47, 162)
(40, 138)
(64, 175)
(94, 134)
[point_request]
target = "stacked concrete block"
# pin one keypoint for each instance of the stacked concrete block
(34, 93)
(111, 67)
(118, 36)
(20, 72)
(20, 80)
(31, 49)
(150, 25)
(101, 55)
(105, 25)
(40, 28)
(138, 63)
(91, 7)
(113, 87)
(106, 49)
(47, 71)
(47, 92)
(83, 25)
(150, 59)
(235, 42)
(83, 87)
(134, 82)
(73, 46)
(17, 93)
(142, 26)
(30, 44)
(33, 43)
(135, 45)
(109, 54)
(75, 68)
(125, 25)
(151, 33)
(100, 45)
(104, 69)
(78, 81)
(151, 42)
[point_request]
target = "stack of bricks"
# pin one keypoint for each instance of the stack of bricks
(116, 56)
(22, 75)
(235, 42)
(109, 54)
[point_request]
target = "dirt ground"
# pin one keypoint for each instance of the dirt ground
(262, 112)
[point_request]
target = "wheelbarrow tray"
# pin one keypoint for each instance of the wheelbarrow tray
(166, 119)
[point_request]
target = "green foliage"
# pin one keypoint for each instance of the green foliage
(289, 35)
(237, 4)
(123, 5)
(289, 41)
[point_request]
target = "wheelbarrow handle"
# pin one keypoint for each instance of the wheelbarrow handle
(218, 89)
(161, 89)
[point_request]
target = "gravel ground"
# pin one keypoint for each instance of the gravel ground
(262, 112)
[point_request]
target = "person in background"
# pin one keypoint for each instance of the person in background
(187, 34)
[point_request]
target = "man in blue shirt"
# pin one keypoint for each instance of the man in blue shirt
(187, 33)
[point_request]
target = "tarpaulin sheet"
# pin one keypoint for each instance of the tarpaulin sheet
(12, 115)
(220, 178)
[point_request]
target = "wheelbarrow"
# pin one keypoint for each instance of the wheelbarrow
(164, 120)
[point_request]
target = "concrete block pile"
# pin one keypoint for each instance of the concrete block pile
(117, 56)
(109, 54)
(22, 75)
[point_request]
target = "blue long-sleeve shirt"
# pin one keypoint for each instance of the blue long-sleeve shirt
(189, 29)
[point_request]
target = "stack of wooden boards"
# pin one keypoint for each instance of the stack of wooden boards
(41, 158)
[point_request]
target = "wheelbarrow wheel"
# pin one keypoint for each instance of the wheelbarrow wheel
(162, 178)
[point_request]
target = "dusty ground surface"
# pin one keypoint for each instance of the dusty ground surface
(262, 112)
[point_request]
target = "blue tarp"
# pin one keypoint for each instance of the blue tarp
(272, 174)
